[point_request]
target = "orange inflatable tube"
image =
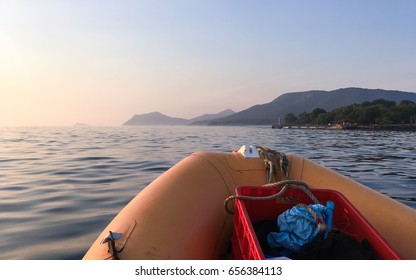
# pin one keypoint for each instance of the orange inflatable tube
(181, 214)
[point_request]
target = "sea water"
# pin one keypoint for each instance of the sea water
(60, 186)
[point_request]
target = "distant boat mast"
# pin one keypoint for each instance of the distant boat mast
(278, 124)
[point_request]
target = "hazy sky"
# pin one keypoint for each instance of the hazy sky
(100, 62)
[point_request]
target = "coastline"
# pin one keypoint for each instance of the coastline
(373, 127)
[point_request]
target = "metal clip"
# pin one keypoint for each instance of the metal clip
(110, 239)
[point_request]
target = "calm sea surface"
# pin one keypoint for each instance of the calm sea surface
(59, 187)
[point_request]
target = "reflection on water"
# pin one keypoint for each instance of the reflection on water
(59, 187)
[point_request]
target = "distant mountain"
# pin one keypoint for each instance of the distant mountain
(299, 102)
(157, 118)
(208, 117)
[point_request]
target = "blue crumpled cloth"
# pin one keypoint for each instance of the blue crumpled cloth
(297, 227)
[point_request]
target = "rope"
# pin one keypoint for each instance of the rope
(112, 247)
(283, 164)
(268, 163)
(271, 159)
(320, 223)
(299, 184)
(286, 184)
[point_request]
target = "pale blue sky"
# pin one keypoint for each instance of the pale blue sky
(100, 62)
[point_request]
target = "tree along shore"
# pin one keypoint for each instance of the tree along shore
(378, 114)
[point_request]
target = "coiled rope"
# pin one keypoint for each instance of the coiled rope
(270, 156)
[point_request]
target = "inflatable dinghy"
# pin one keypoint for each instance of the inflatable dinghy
(187, 212)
